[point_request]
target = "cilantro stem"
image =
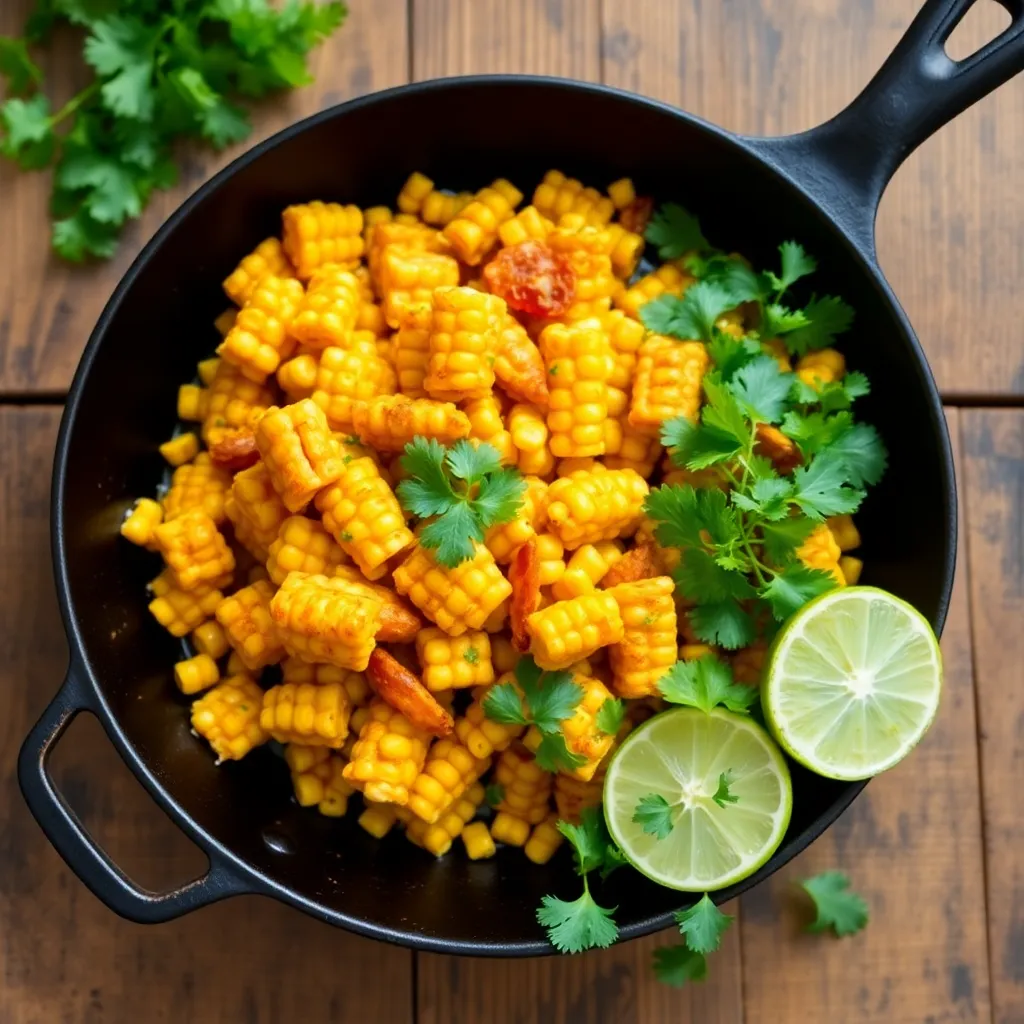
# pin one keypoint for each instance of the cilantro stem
(74, 103)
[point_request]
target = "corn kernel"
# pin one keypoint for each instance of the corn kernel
(228, 718)
(477, 841)
(196, 674)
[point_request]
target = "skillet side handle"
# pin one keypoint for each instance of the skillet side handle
(79, 850)
(846, 163)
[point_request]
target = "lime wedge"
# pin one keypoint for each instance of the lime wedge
(853, 683)
(681, 756)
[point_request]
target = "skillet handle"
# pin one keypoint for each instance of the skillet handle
(79, 850)
(846, 162)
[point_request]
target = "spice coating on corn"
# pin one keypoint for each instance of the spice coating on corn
(389, 423)
(232, 401)
(586, 569)
(228, 718)
(303, 545)
(328, 311)
(450, 663)
(306, 713)
(317, 779)
(256, 510)
(198, 485)
(579, 362)
(456, 599)
(438, 838)
(388, 755)
(196, 674)
(408, 281)
(557, 195)
(518, 365)
(567, 631)
(348, 375)
(449, 770)
(299, 452)
(480, 734)
(486, 424)
(573, 796)
(140, 524)
(319, 233)
(180, 611)
(474, 231)
(247, 622)
(266, 260)
(647, 649)
(667, 382)
(195, 551)
(594, 505)
(259, 338)
(525, 786)
(463, 342)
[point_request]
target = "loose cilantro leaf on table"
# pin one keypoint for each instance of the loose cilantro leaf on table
(702, 927)
(462, 490)
(676, 965)
(837, 906)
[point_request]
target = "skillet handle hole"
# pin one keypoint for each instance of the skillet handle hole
(985, 21)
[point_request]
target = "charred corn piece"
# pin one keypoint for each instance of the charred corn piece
(450, 663)
(473, 233)
(820, 551)
(525, 786)
(318, 233)
(328, 311)
(529, 429)
(509, 829)
(586, 568)
(259, 339)
(641, 563)
(668, 279)
(456, 599)
(519, 366)
(316, 716)
(773, 444)
(193, 675)
(846, 534)
(550, 551)
(317, 778)
(197, 486)
(583, 736)
(228, 718)
(195, 551)
(363, 515)
(647, 649)
(388, 755)
(349, 375)
(297, 376)
(557, 195)
(232, 401)
(588, 506)
(573, 796)
(503, 539)
(477, 841)
(415, 190)
(266, 260)
(389, 423)
(544, 841)
(486, 424)
(478, 733)
(180, 611)
(401, 687)
(667, 382)
(821, 367)
(255, 510)
(299, 452)
(303, 545)
(192, 402)
(140, 524)
(408, 279)
(326, 619)
(529, 224)
(211, 640)
(438, 838)
(579, 362)
(247, 622)
(449, 770)
(464, 333)
(851, 568)
(568, 631)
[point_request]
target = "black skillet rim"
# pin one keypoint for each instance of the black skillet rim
(79, 659)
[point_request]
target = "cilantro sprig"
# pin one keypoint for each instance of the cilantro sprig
(837, 907)
(162, 70)
(462, 490)
(580, 924)
(702, 927)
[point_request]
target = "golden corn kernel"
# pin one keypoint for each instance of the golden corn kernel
(477, 841)
(389, 423)
(667, 383)
(349, 375)
(232, 401)
(267, 259)
(306, 713)
(195, 551)
(317, 779)
(388, 755)
(259, 339)
(191, 404)
(449, 770)
(196, 674)
(228, 718)
(647, 649)
(319, 233)
(198, 486)
(567, 631)
(621, 192)
(544, 841)
(480, 734)
(463, 343)
(141, 522)
(507, 828)
(303, 545)
(210, 639)
(844, 532)
(255, 510)
(450, 663)
(473, 233)
(525, 786)
(588, 506)
(851, 568)
(246, 620)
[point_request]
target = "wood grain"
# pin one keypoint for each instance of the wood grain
(64, 956)
(994, 484)
(950, 232)
(48, 308)
(612, 986)
(912, 847)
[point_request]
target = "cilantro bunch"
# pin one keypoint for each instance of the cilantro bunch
(545, 700)
(462, 490)
(163, 70)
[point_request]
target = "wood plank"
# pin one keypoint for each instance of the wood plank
(611, 986)
(544, 37)
(63, 955)
(912, 845)
(951, 227)
(48, 308)
(994, 483)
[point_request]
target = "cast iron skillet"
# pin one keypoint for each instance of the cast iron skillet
(821, 187)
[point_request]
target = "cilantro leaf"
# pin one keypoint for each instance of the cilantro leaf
(697, 447)
(792, 588)
(552, 755)
(494, 794)
(17, 66)
(705, 683)
(703, 925)
(224, 123)
(79, 236)
(504, 705)
(822, 488)
(724, 623)
(723, 795)
(676, 965)
(29, 138)
(579, 925)
(700, 578)
(654, 815)
(472, 462)
(861, 452)
(122, 50)
(452, 535)
(692, 317)
(796, 263)
(112, 188)
(500, 496)
(814, 431)
(837, 906)
(589, 839)
(555, 701)
(761, 389)
(426, 491)
(723, 409)
(674, 509)
(777, 320)
(828, 317)
(729, 353)
(768, 497)
(736, 277)
(783, 537)
(610, 715)
(674, 231)
(613, 858)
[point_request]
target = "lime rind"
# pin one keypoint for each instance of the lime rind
(853, 682)
(681, 755)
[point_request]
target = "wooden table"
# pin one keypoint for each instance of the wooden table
(936, 846)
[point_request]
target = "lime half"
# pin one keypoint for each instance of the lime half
(853, 683)
(682, 756)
